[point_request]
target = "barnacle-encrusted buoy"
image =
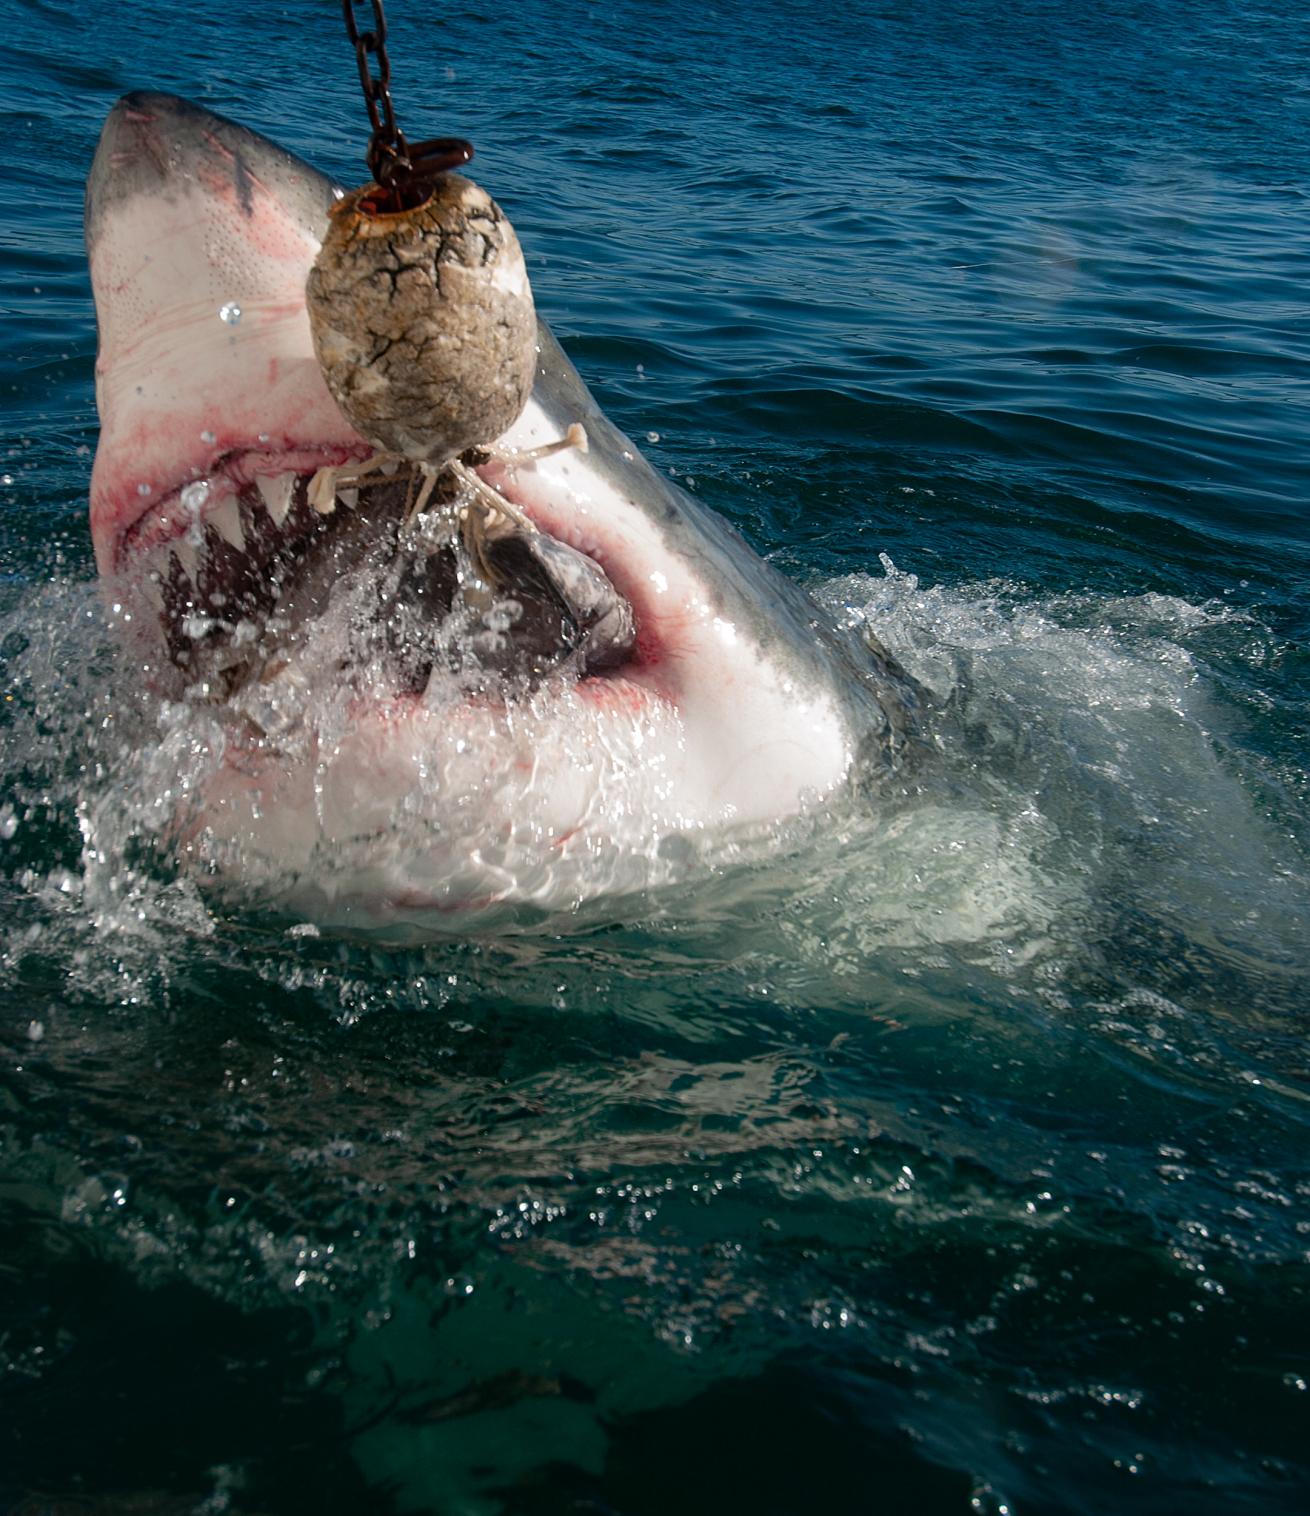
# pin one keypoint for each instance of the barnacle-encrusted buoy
(423, 320)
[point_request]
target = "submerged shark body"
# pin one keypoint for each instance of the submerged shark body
(380, 744)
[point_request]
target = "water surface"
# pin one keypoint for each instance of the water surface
(954, 1159)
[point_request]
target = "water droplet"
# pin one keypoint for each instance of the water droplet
(143, 489)
(195, 495)
(231, 313)
(208, 436)
(987, 1502)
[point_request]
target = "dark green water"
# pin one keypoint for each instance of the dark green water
(954, 1160)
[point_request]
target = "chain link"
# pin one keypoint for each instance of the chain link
(387, 150)
(404, 173)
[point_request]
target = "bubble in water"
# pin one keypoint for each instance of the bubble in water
(652, 436)
(195, 495)
(987, 1502)
(231, 313)
(35, 1031)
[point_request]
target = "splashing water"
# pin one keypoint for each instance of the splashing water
(1080, 772)
(945, 1152)
(1017, 890)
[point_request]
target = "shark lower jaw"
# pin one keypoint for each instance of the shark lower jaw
(243, 576)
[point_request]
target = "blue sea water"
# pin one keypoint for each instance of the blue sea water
(957, 1160)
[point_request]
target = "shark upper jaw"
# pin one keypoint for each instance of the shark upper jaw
(199, 235)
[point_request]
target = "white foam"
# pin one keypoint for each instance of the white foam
(1096, 718)
(1080, 754)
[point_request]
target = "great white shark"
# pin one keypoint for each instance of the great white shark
(381, 743)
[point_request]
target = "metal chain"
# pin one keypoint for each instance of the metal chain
(387, 148)
(404, 173)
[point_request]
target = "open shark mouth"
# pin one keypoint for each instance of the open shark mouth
(241, 568)
(236, 510)
(551, 677)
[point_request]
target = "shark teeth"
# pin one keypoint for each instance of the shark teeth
(250, 524)
(225, 518)
(184, 550)
(276, 490)
(237, 565)
(215, 584)
(237, 591)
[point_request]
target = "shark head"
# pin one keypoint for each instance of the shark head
(388, 742)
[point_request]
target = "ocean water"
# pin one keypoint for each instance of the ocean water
(953, 1160)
